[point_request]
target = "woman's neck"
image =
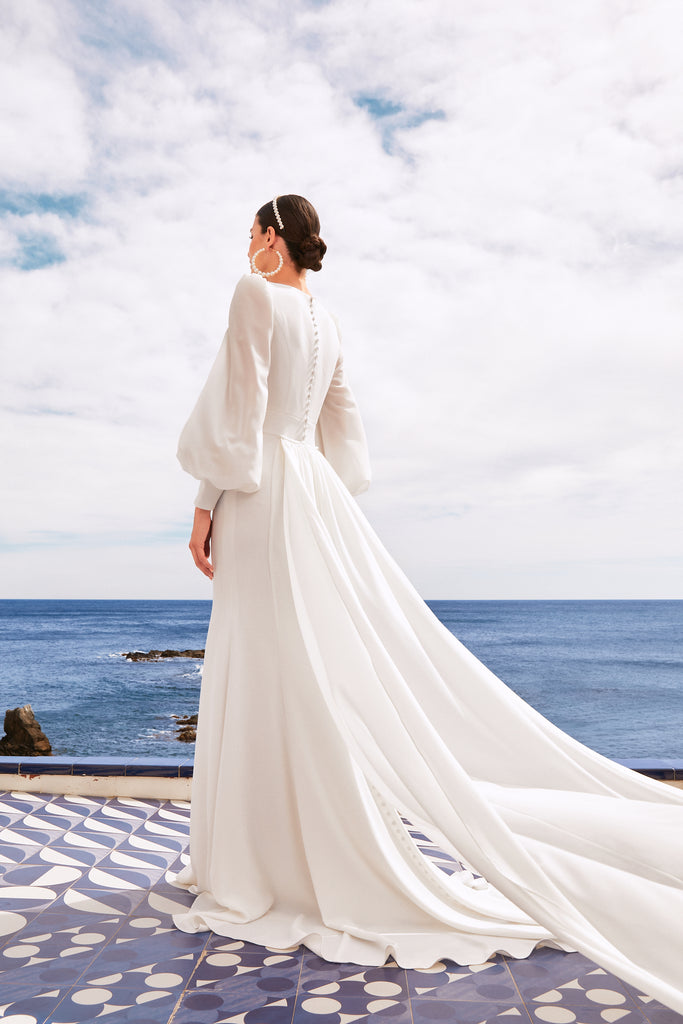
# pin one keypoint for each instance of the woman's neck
(293, 277)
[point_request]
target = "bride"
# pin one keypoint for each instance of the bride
(335, 705)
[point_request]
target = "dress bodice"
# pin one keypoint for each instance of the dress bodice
(279, 371)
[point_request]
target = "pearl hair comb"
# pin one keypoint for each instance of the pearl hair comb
(278, 218)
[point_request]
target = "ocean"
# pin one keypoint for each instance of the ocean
(610, 673)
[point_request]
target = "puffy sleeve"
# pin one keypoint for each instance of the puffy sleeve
(222, 442)
(340, 434)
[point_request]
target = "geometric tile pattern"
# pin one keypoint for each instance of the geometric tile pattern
(86, 934)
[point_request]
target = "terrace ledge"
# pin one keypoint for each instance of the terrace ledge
(171, 778)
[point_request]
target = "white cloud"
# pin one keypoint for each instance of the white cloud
(506, 247)
(42, 108)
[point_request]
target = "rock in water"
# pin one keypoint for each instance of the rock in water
(187, 728)
(183, 720)
(186, 734)
(23, 735)
(159, 655)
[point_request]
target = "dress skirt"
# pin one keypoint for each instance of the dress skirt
(334, 705)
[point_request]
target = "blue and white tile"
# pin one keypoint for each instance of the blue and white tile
(162, 961)
(551, 976)
(85, 919)
(343, 992)
(10, 811)
(48, 958)
(151, 1006)
(240, 981)
(465, 1012)
(26, 837)
(238, 966)
(447, 981)
(152, 864)
(25, 1006)
(101, 903)
(199, 1007)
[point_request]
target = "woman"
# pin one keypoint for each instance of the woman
(334, 703)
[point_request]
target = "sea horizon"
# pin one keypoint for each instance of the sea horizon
(607, 671)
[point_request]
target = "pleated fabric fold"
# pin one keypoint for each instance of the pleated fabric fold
(334, 703)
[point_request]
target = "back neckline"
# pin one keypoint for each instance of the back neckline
(292, 287)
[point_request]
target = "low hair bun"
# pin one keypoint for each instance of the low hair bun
(310, 252)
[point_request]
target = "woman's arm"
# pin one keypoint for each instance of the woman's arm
(222, 442)
(200, 541)
(207, 496)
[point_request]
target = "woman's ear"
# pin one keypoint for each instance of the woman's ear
(270, 235)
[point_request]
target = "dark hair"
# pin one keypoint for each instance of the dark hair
(301, 227)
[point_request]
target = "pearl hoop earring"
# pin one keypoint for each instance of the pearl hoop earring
(270, 273)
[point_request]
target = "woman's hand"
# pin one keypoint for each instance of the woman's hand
(200, 541)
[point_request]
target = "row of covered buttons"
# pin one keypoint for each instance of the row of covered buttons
(313, 364)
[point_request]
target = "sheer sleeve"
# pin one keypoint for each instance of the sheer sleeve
(222, 442)
(340, 434)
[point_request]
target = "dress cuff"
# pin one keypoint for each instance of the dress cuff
(207, 495)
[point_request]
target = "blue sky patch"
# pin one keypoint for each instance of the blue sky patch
(128, 35)
(100, 539)
(418, 117)
(378, 107)
(392, 117)
(38, 250)
(22, 203)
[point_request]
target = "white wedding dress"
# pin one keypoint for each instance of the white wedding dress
(333, 702)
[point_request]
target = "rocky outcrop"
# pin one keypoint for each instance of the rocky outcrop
(159, 655)
(23, 735)
(187, 728)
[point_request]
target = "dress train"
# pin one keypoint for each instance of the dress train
(334, 703)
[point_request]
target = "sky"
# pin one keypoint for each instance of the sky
(500, 186)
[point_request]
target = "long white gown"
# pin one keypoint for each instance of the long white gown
(333, 702)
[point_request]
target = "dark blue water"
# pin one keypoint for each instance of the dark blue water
(64, 658)
(610, 673)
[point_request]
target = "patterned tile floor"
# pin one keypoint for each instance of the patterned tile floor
(86, 933)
